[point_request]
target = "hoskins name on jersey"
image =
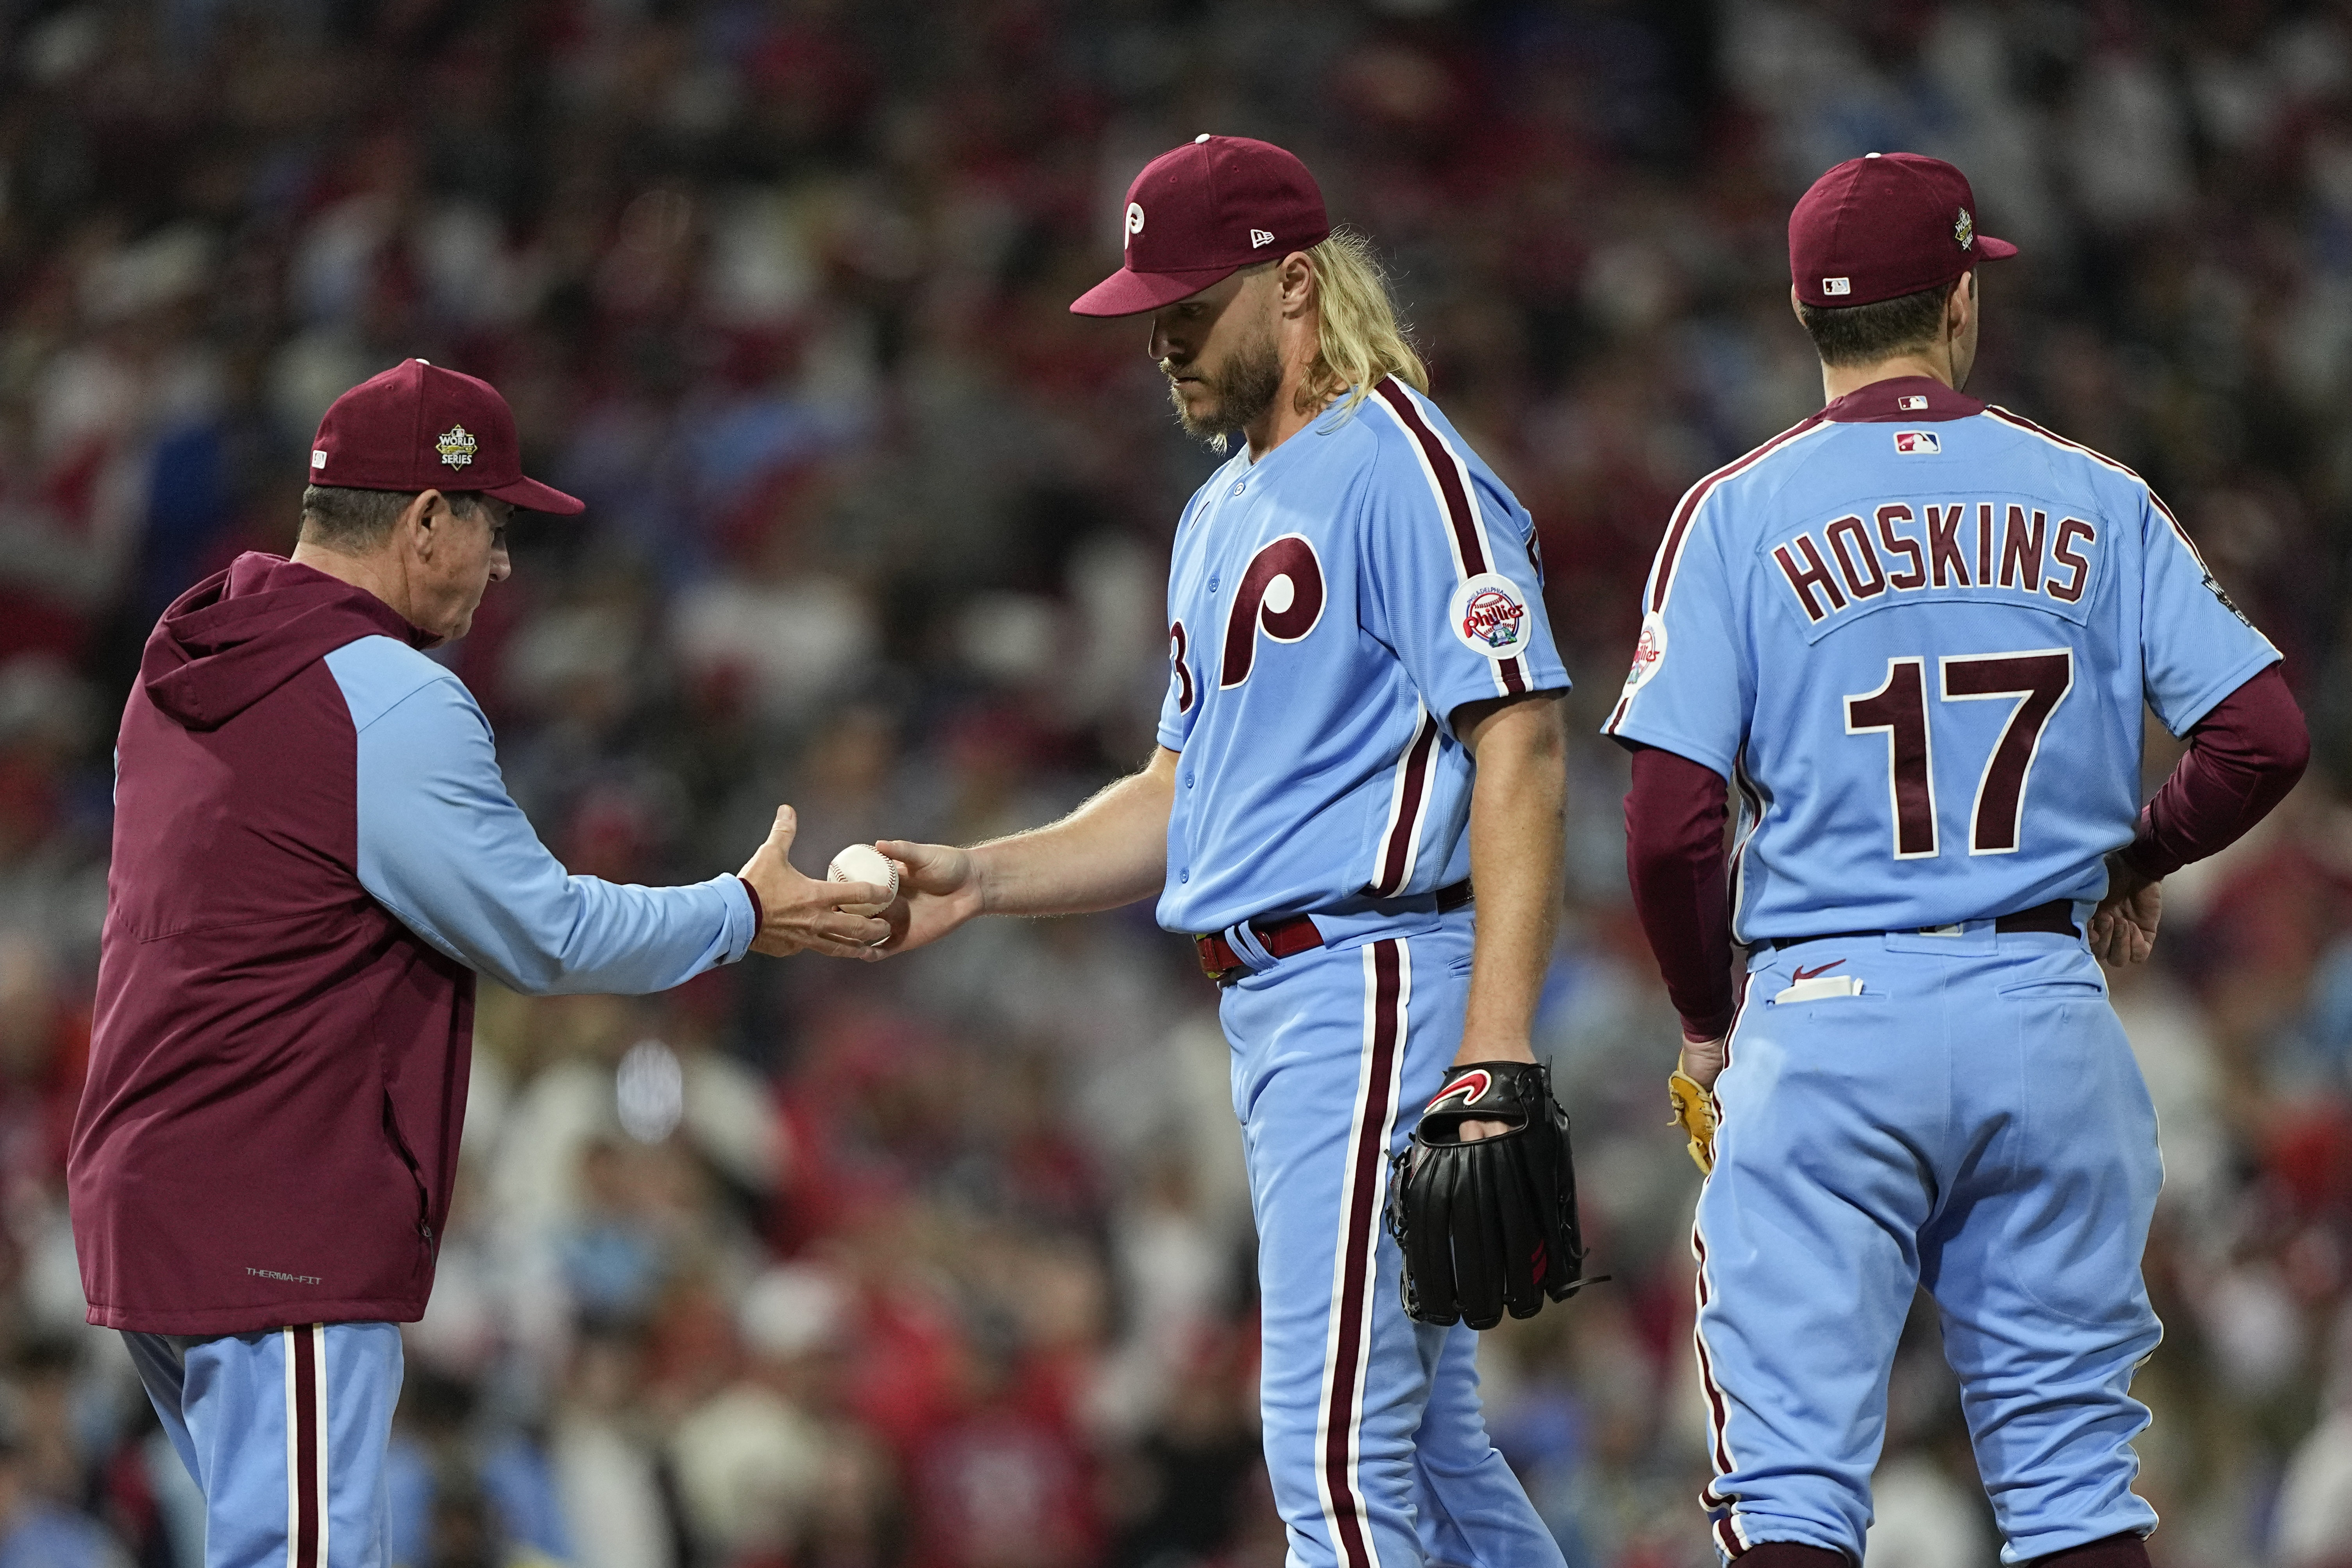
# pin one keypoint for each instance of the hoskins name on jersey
(1904, 549)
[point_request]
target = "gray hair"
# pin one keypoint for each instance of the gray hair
(355, 521)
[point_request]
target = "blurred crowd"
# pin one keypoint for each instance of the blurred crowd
(946, 1263)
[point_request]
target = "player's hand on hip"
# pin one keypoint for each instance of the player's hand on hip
(2123, 927)
(940, 889)
(803, 913)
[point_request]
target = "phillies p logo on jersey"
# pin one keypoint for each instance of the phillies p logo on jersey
(1280, 594)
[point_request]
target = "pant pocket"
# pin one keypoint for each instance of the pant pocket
(2056, 990)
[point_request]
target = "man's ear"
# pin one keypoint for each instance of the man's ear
(417, 517)
(1296, 280)
(1960, 303)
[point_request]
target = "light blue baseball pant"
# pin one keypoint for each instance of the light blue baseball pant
(1972, 1121)
(284, 1433)
(1374, 1440)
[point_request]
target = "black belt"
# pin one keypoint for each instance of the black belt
(1281, 938)
(2056, 917)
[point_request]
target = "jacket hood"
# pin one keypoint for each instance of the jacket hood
(240, 635)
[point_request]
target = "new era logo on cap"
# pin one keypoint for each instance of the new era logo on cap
(1259, 237)
(417, 426)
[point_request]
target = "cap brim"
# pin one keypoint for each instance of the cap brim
(533, 495)
(1125, 293)
(1988, 248)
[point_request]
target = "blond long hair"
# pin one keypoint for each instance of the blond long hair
(1361, 339)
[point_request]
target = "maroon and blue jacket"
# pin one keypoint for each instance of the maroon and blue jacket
(314, 854)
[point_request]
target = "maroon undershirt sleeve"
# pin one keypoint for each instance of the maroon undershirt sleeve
(1674, 858)
(2242, 758)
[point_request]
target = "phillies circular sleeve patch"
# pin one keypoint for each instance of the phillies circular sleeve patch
(1490, 616)
(1648, 653)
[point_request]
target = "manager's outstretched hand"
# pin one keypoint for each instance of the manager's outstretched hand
(803, 913)
(939, 891)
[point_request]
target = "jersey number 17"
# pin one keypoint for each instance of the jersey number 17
(2039, 680)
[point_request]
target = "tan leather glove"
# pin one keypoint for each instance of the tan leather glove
(1694, 1114)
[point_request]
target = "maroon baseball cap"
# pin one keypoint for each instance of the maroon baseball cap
(1203, 212)
(1883, 225)
(417, 426)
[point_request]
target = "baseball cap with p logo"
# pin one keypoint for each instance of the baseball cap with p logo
(1201, 214)
(417, 426)
(1883, 225)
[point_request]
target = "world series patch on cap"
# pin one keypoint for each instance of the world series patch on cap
(1883, 226)
(1201, 213)
(417, 426)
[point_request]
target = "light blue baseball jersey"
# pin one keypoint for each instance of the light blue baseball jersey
(1916, 632)
(445, 847)
(1329, 606)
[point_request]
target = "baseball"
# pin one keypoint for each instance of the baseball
(864, 863)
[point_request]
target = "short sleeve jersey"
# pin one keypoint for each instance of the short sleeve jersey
(1916, 632)
(1330, 606)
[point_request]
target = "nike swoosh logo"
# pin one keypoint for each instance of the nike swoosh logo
(1804, 974)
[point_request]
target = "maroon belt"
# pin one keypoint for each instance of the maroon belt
(2056, 917)
(1221, 964)
(1298, 934)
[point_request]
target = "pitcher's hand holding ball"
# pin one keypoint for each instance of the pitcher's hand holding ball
(940, 889)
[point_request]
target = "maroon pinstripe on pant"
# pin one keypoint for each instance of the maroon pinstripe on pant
(1343, 1499)
(306, 1448)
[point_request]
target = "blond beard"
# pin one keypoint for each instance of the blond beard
(1251, 382)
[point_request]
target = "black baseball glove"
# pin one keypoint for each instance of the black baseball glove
(1491, 1224)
